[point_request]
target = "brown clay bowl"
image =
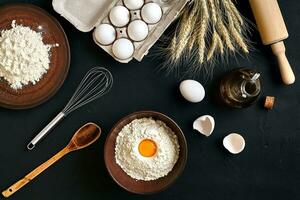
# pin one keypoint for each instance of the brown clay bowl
(33, 17)
(137, 186)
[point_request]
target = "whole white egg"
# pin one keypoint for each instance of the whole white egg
(151, 13)
(137, 30)
(123, 48)
(119, 16)
(133, 4)
(105, 34)
(192, 91)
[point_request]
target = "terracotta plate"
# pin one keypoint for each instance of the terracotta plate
(34, 17)
(125, 181)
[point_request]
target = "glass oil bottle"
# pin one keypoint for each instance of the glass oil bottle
(240, 88)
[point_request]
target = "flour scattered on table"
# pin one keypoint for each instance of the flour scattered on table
(146, 149)
(24, 58)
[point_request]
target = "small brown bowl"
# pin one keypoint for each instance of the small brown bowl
(40, 21)
(137, 186)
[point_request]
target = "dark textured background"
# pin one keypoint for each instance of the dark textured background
(268, 168)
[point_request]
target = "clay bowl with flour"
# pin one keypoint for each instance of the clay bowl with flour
(138, 186)
(38, 20)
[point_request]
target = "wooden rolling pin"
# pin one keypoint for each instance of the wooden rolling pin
(271, 26)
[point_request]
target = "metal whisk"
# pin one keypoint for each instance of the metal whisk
(96, 83)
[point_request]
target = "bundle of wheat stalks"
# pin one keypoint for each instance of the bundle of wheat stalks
(208, 28)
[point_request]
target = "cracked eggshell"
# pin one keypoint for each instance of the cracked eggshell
(204, 125)
(234, 143)
(192, 91)
(119, 16)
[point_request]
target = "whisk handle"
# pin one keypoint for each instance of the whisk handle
(45, 131)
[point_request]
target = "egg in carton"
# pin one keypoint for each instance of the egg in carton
(125, 29)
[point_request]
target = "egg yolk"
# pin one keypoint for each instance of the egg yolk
(147, 148)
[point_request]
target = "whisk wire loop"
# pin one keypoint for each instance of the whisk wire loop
(97, 82)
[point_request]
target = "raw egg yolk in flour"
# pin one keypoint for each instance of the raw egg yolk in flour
(147, 148)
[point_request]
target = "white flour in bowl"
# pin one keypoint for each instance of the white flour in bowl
(24, 58)
(127, 153)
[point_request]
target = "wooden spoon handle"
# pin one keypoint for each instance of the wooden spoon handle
(19, 184)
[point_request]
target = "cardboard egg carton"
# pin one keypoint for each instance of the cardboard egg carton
(85, 15)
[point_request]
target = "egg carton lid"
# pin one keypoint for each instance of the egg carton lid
(83, 14)
(87, 14)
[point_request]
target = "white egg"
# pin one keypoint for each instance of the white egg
(151, 13)
(133, 4)
(234, 143)
(192, 91)
(105, 34)
(137, 30)
(119, 16)
(123, 48)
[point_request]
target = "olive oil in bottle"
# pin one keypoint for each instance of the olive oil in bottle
(240, 88)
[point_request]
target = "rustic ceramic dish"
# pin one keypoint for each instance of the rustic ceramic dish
(33, 95)
(125, 181)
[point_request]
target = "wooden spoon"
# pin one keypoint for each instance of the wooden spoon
(84, 137)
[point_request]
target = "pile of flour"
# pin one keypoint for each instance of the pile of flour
(146, 168)
(24, 58)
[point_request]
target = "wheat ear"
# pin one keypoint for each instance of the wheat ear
(173, 47)
(193, 35)
(192, 41)
(184, 32)
(221, 28)
(213, 46)
(239, 39)
(213, 11)
(216, 40)
(235, 12)
(220, 44)
(203, 30)
(231, 15)
(236, 34)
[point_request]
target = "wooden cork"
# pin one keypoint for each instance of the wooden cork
(269, 102)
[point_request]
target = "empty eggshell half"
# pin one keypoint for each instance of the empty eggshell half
(119, 16)
(234, 143)
(133, 4)
(123, 49)
(151, 13)
(105, 34)
(137, 30)
(204, 125)
(192, 91)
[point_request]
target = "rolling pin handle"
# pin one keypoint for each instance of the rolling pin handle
(285, 68)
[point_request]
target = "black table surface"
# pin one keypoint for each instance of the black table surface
(268, 168)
